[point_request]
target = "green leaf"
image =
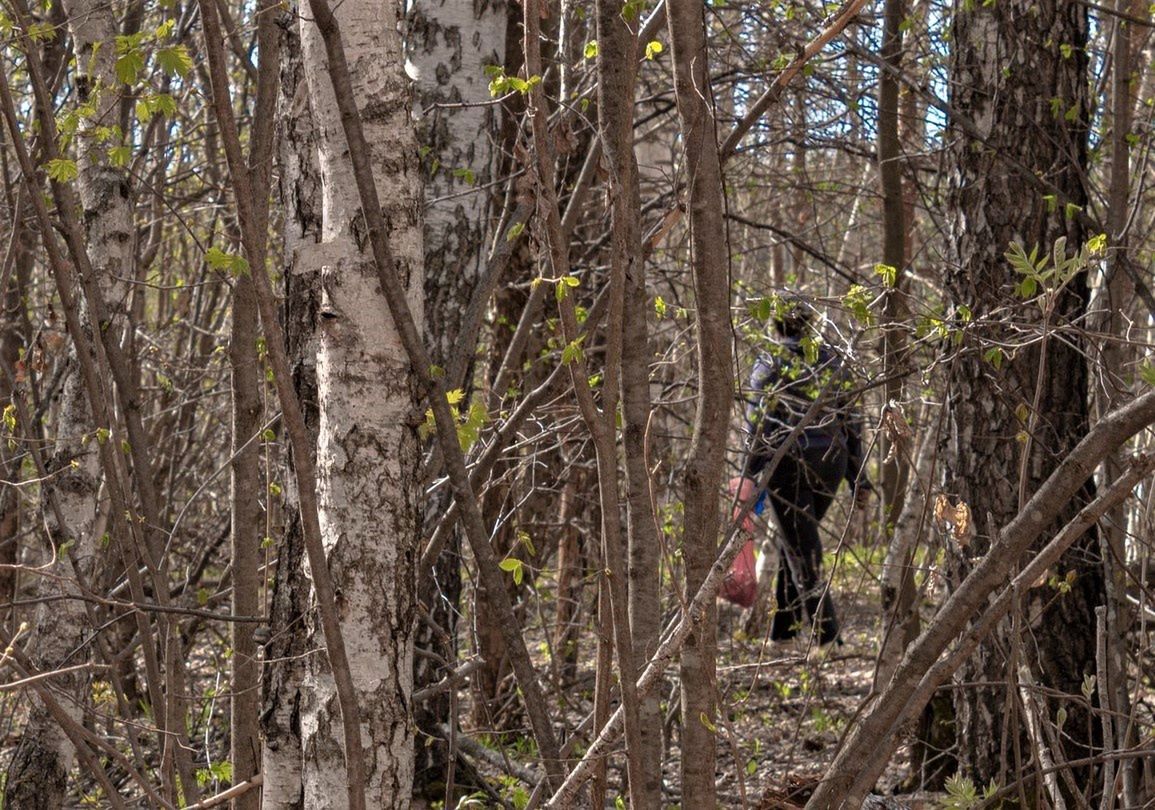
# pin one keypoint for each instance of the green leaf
(129, 66)
(857, 300)
(632, 9)
(514, 231)
(653, 48)
(119, 156)
(228, 262)
(163, 104)
(1026, 288)
(887, 273)
(573, 351)
(512, 565)
(62, 170)
(1097, 244)
(563, 284)
(591, 49)
(994, 356)
(41, 32)
(175, 60)
(217, 258)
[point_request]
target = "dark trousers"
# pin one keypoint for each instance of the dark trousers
(800, 490)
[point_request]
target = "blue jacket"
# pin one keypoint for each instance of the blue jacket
(784, 384)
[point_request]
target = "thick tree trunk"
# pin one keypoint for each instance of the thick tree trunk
(1113, 310)
(1019, 72)
(367, 454)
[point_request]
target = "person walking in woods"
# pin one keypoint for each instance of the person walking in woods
(799, 400)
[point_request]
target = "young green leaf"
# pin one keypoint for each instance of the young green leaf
(175, 60)
(62, 170)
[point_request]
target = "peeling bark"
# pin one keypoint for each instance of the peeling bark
(367, 453)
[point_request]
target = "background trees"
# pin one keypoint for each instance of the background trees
(524, 486)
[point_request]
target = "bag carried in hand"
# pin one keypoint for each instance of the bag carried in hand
(741, 583)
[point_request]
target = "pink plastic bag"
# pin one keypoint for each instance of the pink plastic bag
(741, 584)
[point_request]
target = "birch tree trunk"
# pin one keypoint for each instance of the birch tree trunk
(38, 773)
(449, 45)
(367, 453)
(284, 667)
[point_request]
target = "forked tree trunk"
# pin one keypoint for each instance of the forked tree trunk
(617, 78)
(704, 467)
(367, 453)
(1019, 70)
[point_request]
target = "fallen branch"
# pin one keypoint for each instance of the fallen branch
(226, 796)
(869, 745)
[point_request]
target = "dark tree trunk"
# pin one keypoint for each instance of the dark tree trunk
(1019, 71)
(704, 467)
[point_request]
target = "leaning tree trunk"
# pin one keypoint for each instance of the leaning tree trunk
(1019, 72)
(450, 44)
(367, 453)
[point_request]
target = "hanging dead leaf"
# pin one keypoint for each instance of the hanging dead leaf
(962, 523)
(894, 423)
(954, 519)
(941, 508)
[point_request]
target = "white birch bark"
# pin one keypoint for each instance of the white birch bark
(38, 773)
(449, 45)
(300, 193)
(367, 447)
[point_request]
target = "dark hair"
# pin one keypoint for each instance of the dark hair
(793, 319)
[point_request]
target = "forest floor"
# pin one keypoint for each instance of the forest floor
(783, 708)
(787, 705)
